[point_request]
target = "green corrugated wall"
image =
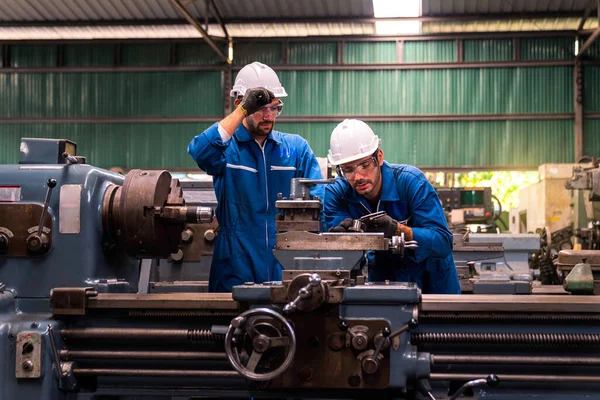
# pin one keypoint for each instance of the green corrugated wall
(460, 144)
(101, 94)
(552, 48)
(370, 53)
(87, 55)
(488, 50)
(106, 145)
(434, 91)
(434, 51)
(312, 93)
(312, 53)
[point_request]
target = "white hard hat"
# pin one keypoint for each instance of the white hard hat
(351, 140)
(257, 75)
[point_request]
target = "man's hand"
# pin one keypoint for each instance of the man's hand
(343, 226)
(254, 99)
(388, 226)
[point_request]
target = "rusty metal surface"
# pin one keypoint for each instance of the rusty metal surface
(70, 301)
(568, 258)
(198, 245)
(511, 303)
(129, 213)
(329, 241)
(18, 220)
(310, 226)
(317, 365)
(169, 301)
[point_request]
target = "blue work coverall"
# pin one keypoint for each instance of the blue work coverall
(406, 194)
(247, 179)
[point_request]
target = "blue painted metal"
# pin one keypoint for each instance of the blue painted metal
(34, 277)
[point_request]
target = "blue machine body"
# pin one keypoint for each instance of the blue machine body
(83, 259)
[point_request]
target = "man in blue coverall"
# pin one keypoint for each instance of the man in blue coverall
(250, 163)
(366, 184)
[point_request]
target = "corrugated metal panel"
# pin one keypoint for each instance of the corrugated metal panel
(86, 55)
(591, 137)
(488, 50)
(258, 30)
(478, 143)
(32, 56)
(370, 52)
(111, 145)
(515, 24)
(120, 94)
(433, 51)
(547, 48)
(266, 53)
(443, 144)
(454, 91)
(78, 10)
(312, 53)
(196, 54)
(594, 50)
(145, 54)
(437, 7)
(591, 82)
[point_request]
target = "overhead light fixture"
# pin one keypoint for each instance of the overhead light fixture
(400, 8)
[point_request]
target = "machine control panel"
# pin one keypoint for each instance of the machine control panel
(28, 355)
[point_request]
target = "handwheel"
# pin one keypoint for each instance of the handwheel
(264, 333)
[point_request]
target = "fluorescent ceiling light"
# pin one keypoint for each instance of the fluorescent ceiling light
(397, 8)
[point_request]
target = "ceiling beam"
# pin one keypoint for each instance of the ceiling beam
(197, 25)
(588, 42)
(303, 20)
(220, 19)
(591, 6)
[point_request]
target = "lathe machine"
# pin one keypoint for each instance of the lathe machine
(73, 325)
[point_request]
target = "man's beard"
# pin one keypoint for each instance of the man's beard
(255, 129)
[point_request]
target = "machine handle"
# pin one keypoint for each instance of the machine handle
(51, 184)
(55, 357)
(491, 380)
(303, 293)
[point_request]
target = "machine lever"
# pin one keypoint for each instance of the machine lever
(51, 184)
(55, 357)
(303, 293)
(371, 364)
(492, 381)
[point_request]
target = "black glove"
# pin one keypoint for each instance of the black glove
(385, 224)
(343, 226)
(254, 99)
